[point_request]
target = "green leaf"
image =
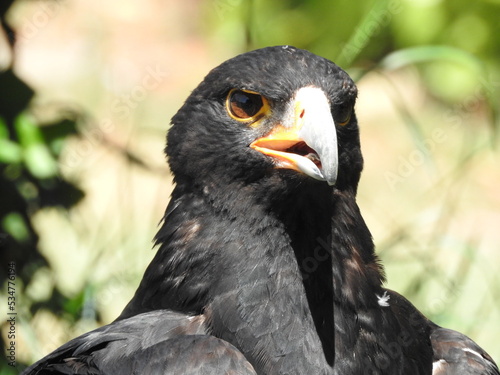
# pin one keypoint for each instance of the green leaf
(417, 55)
(4, 132)
(363, 34)
(14, 224)
(37, 156)
(10, 152)
(40, 162)
(55, 134)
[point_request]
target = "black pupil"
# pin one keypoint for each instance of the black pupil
(244, 104)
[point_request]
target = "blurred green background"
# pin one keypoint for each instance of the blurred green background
(86, 94)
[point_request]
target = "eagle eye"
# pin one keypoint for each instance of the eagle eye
(245, 105)
(343, 116)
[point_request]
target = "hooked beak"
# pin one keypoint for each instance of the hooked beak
(306, 140)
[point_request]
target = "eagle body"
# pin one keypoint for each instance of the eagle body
(264, 263)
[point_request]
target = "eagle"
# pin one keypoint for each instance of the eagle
(264, 262)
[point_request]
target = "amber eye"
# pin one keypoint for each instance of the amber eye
(244, 105)
(344, 116)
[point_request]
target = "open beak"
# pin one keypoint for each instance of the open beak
(306, 139)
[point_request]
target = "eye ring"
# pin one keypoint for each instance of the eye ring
(346, 117)
(246, 105)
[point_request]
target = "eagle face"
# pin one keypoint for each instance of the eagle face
(267, 115)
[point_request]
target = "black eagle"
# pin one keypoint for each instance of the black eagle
(264, 262)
